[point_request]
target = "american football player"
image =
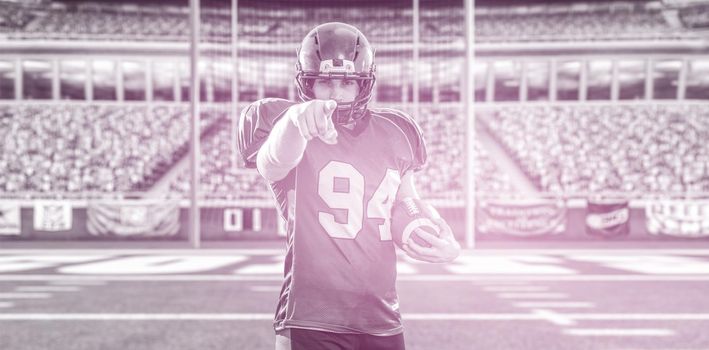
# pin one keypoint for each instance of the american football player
(336, 167)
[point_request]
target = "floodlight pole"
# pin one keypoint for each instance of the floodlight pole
(415, 77)
(469, 101)
(194, 221)
(234, 80)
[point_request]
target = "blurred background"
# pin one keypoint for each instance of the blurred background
(567, 144)
(582, 110)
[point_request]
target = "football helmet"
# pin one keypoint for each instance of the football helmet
(337, 51)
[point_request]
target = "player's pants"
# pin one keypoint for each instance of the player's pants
(305, 339)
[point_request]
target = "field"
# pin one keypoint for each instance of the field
(78, 295)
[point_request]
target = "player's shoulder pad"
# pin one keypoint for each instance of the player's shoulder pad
(408, 127)
(401, 119)
(255, 123)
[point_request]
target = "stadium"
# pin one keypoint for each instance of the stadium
(548, 124)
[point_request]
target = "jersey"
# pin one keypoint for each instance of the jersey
(340, 266)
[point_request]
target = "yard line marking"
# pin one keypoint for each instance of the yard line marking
(405, 268)
(47, 289)
(71, 282)
(554, 317)
(409, 316)
(532, 295)
(24, 295)
(260, 269)
(6, 304)
(118, 251)
(619, 332)
(553, 304)
(516, 288)
(134, 317)
(278, 251)
(265, 288)
(477, 279)
(641, 317)
(505, 282)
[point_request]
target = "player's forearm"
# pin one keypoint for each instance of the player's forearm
(282, 150)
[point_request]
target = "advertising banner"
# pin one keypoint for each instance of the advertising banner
(523, 219)
(139, 218)
(9, 218)
(678, 218)
(52, 216)
(608, 217)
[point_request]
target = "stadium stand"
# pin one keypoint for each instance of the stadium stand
(584, 21)
(220, 178)
(265, 23)
(13, 18)
(591, 148)
(80, 149)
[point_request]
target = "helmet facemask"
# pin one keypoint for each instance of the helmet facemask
(346, 112)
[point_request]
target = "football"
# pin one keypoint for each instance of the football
(409, 214)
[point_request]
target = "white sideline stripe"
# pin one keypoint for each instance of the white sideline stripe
(265, 251)
(47, 289)
(646, 332)
(265, 288)
(554, 317)
(532, 295)
(496, 283)
(477, 279)
(516, 288)
(24, 295)
(118, 251)
(77, 282)
(260, 269)
(5, 304)
(552, 304)
(411, 316)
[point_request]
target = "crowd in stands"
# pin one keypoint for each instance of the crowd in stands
(95, 148)
(563, 148)
(609, 23)
(387, 24)
(593, 148)
(489, 178)
(13, 17)
(220, 176)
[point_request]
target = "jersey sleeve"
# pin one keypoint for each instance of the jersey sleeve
(416, 160)
(255, 123)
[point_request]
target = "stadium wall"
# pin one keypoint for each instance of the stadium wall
(253, 223)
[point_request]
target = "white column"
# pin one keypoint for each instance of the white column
(89, 83)
(194, 217)
(552, 80)
(209, 82)
(436, 82)
(490, 77)
(148, 80)
(523, 83)
(176, 81)
(416, 38)
(55, 80)
(119, 81)
(583, 80)
(470, 189)
(614, 82)
(235, 81)
(18, 80)
(649, 82)
(682, 83)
